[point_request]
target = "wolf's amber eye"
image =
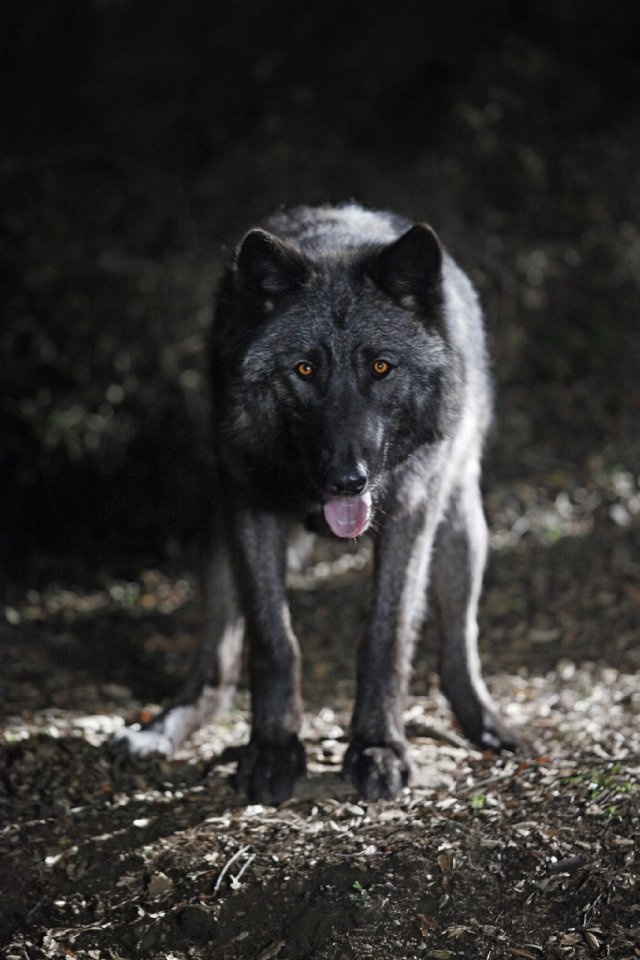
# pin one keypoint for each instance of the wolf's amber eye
(304, 370)
(380, 368)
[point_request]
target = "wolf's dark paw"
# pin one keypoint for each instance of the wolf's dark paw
(379, 772)
(267, 772)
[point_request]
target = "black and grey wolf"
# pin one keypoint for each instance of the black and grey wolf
(350, 393)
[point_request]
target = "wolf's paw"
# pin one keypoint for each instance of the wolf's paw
(267, 772)
(379, 772)
(496, 735)
(142, 743)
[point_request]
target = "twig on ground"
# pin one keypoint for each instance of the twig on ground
(233, 859)
(235, 881)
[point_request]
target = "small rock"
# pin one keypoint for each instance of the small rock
(159, 886)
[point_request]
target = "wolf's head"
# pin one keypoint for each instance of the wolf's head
(341, 365)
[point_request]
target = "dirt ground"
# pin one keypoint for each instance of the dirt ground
(483, 857)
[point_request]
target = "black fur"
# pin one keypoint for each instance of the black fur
(350, 389)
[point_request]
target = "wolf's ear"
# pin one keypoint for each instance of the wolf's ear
(408, 270)
(268, 265)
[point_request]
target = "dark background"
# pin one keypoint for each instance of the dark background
(141, 137)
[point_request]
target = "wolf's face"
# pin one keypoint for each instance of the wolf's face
(342, 366)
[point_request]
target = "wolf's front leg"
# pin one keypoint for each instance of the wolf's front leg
(274, 757)
(458, 566)
(214, 674)
(376, 759)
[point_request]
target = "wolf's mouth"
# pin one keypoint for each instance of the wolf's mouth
(348, 517)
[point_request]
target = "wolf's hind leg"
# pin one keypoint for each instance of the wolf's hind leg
(214, 674)
(457, 570)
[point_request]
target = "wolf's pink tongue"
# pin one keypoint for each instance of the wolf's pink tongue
(348, 517)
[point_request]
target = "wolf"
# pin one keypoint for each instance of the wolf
(350, 393)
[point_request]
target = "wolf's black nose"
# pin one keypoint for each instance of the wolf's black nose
(345, 481)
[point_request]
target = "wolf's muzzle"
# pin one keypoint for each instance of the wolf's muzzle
(347, 480)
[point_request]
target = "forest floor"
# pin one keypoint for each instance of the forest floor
(483, 857)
